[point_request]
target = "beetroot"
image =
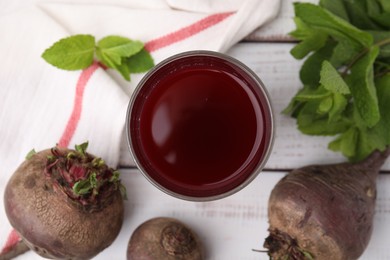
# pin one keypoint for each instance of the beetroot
(324, 211)
(164, 238)
(65, 204)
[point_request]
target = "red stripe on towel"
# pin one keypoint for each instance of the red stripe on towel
(74, 118)
(186, 32)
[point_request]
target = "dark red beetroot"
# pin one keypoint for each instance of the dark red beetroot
(164, 238)
(324, 211)
(65, 204)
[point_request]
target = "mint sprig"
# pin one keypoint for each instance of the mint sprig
(346, 74)
(116, 52)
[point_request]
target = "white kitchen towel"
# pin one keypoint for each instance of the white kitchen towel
(41, 105)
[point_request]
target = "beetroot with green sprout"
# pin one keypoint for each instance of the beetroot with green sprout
(164, 238)
(65, 204)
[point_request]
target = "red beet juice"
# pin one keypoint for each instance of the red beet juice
(200, 125)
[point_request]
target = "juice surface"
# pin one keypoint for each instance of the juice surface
(200, 127)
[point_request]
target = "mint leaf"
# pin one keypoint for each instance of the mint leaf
(385, 4)
(123, 69)
(311, 39)
(380, 134)
(336, 7)
(137, 63)
(364, 146)
(382, 86)
(348, 142)
(293, 107)
(309, 93)
(339, 103)
(312, 123)
(308, 126)
(363, 88)
(331, 79)
(343, 53)
(378, 14)
(335, 145)
(71, 53)
(325, 105)
(124, 55)
(382, 19)
(321, 19)
(310, 70)
(112, 49)
(358, 15)
(140, 62)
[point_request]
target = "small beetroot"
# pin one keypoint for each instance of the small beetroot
(164, 238)
(324, 211)
(65, 204)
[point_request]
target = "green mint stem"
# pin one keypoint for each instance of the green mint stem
(382, 42)
(361, 54)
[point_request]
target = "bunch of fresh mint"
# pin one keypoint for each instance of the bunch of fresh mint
(116, 52)
(346, 76)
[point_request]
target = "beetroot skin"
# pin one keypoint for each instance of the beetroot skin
(324, 211)
(65, 204)
(164, 238)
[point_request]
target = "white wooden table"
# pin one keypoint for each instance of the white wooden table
(230, 228)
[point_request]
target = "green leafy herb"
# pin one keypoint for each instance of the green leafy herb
(116, 52)
(331, 79)
(346, 74)
(112, 49)
(140, 62)
(72, 53)
(311, 39)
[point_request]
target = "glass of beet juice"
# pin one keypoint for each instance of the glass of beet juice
(200, 125)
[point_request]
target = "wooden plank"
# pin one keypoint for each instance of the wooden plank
(278, 29)
(231, 227)
(280, 73)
